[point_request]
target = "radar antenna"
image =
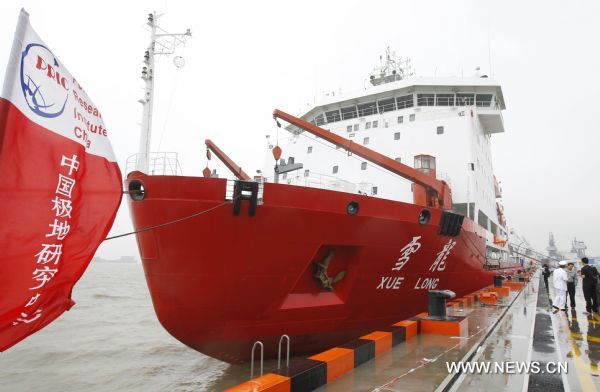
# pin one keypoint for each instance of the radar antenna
(391, 69)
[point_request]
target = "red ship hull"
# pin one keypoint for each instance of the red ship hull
(219, 282)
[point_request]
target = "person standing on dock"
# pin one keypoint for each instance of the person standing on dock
(571, 282)
(590, 278)
(559, 280)
(546, 274)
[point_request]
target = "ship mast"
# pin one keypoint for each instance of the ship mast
(161, 43)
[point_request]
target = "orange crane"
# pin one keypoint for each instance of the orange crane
(231, 165)
(428, 191)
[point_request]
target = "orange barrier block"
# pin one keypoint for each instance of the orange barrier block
(471, 298)
(339, 361)
(410, 326)
(383, 341)
(488, 298)
(452, 307)
(269, 382)
(514, 285)
(501, 291)
(454, 326)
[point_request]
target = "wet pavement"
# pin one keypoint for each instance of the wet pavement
(521, 328)
(578, 338)
(421, 364)
(518, 329)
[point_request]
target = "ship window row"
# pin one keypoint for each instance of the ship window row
(363, 166)
(368, 125)
(403, 102)
(459, 99)
(396, 136)
(365, 109)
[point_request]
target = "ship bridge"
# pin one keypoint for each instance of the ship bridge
(482, 95)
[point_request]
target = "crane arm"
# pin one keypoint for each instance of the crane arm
(231, 165)
(440, 189)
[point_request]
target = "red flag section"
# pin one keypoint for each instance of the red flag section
(60, 186)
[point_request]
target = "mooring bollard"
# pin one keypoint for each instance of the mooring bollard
(437, 302)
(498, 280)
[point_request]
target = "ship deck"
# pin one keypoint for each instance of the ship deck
(518, 329)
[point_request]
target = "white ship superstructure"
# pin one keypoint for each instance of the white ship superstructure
(402, 116)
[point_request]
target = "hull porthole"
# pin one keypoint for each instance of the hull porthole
(136, 190)
(424, 217)
(352, 208)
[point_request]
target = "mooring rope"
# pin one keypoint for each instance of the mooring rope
(170, 222)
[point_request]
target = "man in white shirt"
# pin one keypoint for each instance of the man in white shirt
(560, 287)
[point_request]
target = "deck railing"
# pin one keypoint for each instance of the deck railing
(159, 163)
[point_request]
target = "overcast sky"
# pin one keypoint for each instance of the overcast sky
(247, 58)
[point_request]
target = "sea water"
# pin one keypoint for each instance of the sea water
(111, 340)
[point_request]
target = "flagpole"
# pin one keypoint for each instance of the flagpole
(13, 62)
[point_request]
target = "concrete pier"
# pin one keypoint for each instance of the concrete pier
(515, 343)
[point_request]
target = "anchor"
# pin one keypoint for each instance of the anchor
(321, 274)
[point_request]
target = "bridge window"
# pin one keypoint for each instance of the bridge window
(424, 162)
(440, 130)
(333, 116)
(445, 99)
(375, 123)
(425, 99)
(335, 169)
(363, 166)
(463, 99)
(366, 141)
(386, 105)
(494, 227)
(397, 136)
(465, 209)
(366, 109)
(319, 120)
(400, 119)
(349, 112)
(482, 219)
(368, 125)
(349, 128)
(356, 127)
(405, 101)
(483, 100)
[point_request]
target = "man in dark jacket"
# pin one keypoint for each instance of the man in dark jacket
(571, 281)
(590, 278)
(546, 274)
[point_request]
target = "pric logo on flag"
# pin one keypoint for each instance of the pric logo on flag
(46, 91)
